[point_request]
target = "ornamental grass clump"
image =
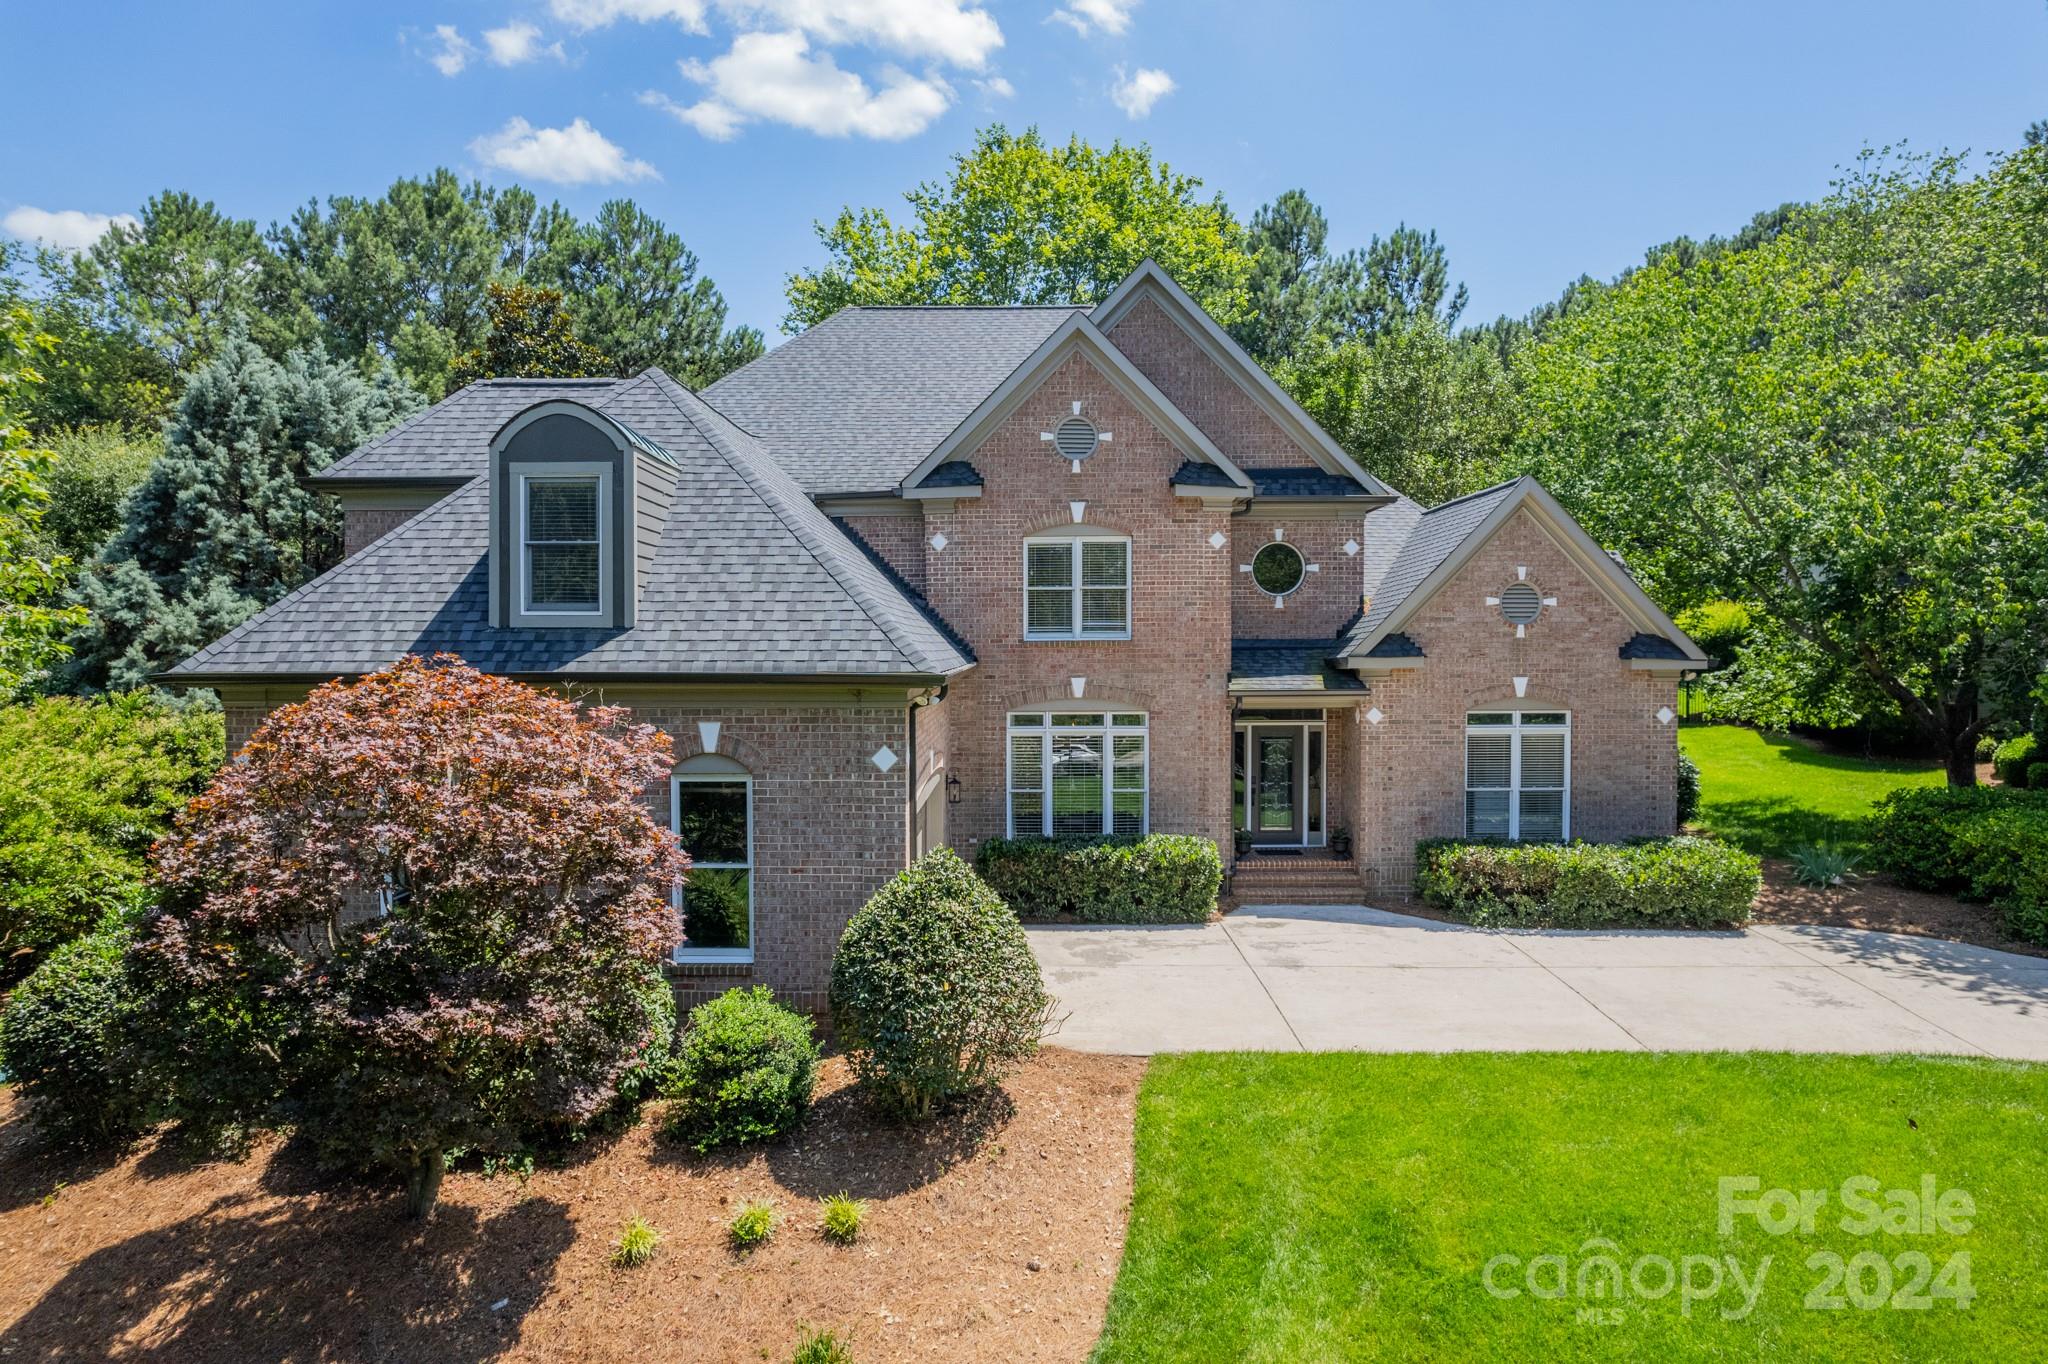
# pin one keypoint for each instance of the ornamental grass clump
(418, 913)
(935, 992)
(841, 1217)
(752, 1225)
(636, 1243)
(822, 1347)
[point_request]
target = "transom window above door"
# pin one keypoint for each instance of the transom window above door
(1077, 587)
(1078, 773)
(1518, 775)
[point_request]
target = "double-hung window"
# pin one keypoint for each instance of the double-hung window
(1518, 775)
(561, 546)
(713, 804)
(1077, 587)
(1078, 773)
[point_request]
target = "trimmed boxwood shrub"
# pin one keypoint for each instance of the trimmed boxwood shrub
(744, 1071)
(2037, 776)
(1157, 879)
(935, 992)
(59, 1040)
(2013, 757)
(1984, 842)
(1649, 883)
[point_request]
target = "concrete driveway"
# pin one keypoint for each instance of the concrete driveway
(1285, 978)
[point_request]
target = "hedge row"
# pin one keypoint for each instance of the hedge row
(1160, 878)
(1651, 883)
(2014, 761)
(1982, 842)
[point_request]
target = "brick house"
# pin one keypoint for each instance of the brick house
(929, 576)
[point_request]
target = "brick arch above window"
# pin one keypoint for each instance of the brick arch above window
(689, 744)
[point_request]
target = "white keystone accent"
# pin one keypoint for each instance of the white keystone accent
(1351, 546)
(1493, 601)
(1080, 686)
(1105, 436)
(1077, 407)
(1521, 631)
(939, 540)
(1374, 716)
(1244, 568)
(1279, 534)
(1313, 568)
(1664, 715)
(883, 757)
(1279, 603)
(1550, 601)
(1521, 572)
(1217, 539)
(1077, 466)
(1079, 509)
(1045, 435)
(1521, 686)
(707, 734)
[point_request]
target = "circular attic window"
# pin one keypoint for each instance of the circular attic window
(1277, 568)
(1521, 604)
(1076, 438)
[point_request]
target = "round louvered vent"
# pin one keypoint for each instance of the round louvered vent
(1075, 439)
(1521, 604)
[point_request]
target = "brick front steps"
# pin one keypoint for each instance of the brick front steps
(1311, 877)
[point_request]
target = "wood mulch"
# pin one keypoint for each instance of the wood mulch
(992, 1234)
(1874, 901)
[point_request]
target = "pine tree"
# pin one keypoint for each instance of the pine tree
(224, 526)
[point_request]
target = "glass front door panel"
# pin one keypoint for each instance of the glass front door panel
(1275, 808)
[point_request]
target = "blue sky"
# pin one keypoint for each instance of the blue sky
(1539, 141)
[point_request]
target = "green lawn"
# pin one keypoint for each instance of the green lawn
(1769, 793)
(1345, 1206)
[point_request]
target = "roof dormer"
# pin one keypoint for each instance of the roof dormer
(578, 501)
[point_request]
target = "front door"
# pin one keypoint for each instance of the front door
(1275, 776)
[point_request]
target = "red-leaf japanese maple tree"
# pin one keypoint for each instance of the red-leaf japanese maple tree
(420, 911)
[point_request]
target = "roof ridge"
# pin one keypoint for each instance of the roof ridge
(1481, 492)
(962, 308)
(775, 499)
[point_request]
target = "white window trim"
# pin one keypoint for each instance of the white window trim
(1299, 558)
(1515, 729)
(1080, 631)
(601, 474)
(1045, 731)
(683, 953)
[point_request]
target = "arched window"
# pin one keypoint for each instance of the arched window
(1518, 775)
(712, 812)
(1077, 585)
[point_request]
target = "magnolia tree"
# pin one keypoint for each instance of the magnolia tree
(421, 911)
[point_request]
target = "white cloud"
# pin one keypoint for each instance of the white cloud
(1136, 93)
(995, 87)
(518, 43)
(576, 155)
(67, 229)
(774, 76)
(589, 14)
(1086, 16)
(943, 30)
(455, 52)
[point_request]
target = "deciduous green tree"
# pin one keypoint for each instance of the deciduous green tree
(531, 337)
(224, 525)
(32, 621)
(1842, 427)
(1022, 221)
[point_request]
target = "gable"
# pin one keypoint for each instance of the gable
(1214, 401)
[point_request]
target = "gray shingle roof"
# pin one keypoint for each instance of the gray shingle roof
(1433, 537)
(1642, 645)
(855, 403)
(777, 591)
(1192, 474)
(1286, 665)
(1396, 645)
(1304, 483)
(954, 473)
(450, 441)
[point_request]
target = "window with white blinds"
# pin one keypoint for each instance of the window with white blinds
(1077, 587)
(1518, 775)
(562, 545)
(1077, 773)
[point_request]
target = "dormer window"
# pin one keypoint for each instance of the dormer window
(562, 548)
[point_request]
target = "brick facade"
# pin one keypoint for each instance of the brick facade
(1176, 664)
(898, 539)
(1164, 353)
(1411, 775)
(1328, 596)
(363, 526)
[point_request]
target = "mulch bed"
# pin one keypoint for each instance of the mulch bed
(992, 1234)
(1874, 901)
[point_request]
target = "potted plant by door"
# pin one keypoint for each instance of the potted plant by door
(1340, 843)
(1244, 842)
